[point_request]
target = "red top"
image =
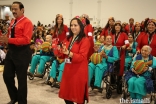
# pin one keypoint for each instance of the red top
(74, 84)
(127, 28)
(89, 29)
(23, 31)
(106, 32)
(61, 36)
(144, 40)
(138, 38)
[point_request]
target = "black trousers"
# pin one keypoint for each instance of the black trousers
(16, 62)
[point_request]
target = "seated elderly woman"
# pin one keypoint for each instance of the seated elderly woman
(109, 54)
(140, 75)
(44, 56)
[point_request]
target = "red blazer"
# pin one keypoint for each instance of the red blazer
(61, 36)
(87, 29)
(144, 41)
(74, 84)
(127, 28)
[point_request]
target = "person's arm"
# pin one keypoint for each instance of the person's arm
(27, 33)
(115, 55)
(154, 62)
(66, 30)
(90, 31)
(83, 52)
(134, 59)
(102, 33)
(134, 49)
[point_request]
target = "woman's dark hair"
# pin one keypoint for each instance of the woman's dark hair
(56, 26)
(114, 31)
(131, 35)
(87, 21)
(21, 6)
(81, 34)
(107, 25)
(145, 24)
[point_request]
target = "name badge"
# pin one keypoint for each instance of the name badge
(67, 60)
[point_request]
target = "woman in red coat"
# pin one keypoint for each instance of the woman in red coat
(149, 37)
(60, 30)
(108, 28)
(74, 85)
(137, 34)
(120, 40)
(88, 30)
(130, 27)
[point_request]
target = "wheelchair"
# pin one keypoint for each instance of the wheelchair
(125, 93)
(46, 70)
(54, 84)
(112, 75)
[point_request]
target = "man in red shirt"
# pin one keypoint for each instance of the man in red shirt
(18, 55)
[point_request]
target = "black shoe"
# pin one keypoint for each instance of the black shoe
(38, 75)
(12, 102)
(30, 74)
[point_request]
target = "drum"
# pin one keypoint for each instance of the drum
(139, 66)
(96, 58)
(45, 46)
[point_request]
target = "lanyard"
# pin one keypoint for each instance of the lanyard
(136, 36)
(149, 41)
(116, 38)
(109, 31)
(17, 22)
(72, 42)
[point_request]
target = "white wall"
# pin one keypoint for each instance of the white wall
(46, 10)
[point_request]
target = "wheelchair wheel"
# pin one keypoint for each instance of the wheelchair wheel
(124, 95)
(108, 93)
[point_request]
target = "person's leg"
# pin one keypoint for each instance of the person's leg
(61, 68)
(53, 69)
(42, 63)
(91, 71)
(21, 61)
(8, 76)
(131, 87)
(98, 76)
(68, 102)
(34, 62)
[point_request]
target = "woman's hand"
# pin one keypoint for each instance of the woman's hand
(129, 48)
(64, 49)
(145, 68)
(96, 48)
(103, 54)
(123, 47)
(134, 71)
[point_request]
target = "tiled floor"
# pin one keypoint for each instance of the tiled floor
(39, 93)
